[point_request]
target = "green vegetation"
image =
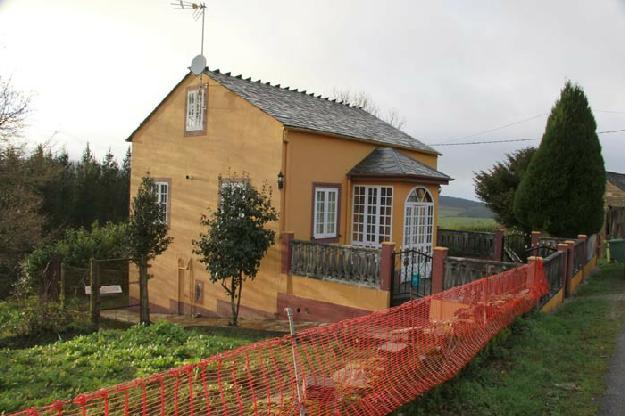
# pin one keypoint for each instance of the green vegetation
(544, 364)
(497, 186)
(463, 214)
(61, 370)
(562, 190)
(468, 223)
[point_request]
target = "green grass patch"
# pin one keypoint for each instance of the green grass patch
(468, 223)
(544, 364)
(36, 376)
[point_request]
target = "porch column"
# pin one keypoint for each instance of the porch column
(285, 250)
(498, 252)
(438, 268)
(386, 265)
(535, 243)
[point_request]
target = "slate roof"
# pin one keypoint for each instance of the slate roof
(391, 162)
(617, 179)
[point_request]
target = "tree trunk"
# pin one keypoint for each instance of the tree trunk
(144, 314)
(239, 296)
(233, 320)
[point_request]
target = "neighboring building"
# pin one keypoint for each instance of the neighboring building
(614, 225)
(346, 177)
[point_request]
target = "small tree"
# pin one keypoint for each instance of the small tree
(497, 186)
(237, 240)
(147, 237)
(562, 191)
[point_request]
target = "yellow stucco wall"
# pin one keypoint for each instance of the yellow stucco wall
(359, 297)
(312, 158)
(239, 137)
(242, 138)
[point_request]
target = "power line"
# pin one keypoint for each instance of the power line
(514, 123)
(511, 140)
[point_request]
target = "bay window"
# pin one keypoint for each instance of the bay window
(371, 215)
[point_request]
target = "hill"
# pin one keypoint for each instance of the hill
(451, 206)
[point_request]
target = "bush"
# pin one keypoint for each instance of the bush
(75, 249)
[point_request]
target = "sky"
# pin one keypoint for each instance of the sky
(456, 71)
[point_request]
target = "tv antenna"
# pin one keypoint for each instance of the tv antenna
(198, 64)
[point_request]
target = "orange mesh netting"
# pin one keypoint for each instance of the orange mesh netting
(364, 366)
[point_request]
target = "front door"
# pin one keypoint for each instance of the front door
(418, 232)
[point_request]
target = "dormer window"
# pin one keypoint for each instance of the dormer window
(196, 110)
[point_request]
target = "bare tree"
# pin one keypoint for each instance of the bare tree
(14, 107)
(363, 100)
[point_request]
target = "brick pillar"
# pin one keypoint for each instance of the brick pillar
(532, 262)
(570, 267)
(563, 248)
(286, 239)
(535, 243)
(438, 269)
(386, 266)
(498, 252)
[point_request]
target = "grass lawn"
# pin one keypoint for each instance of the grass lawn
(544, 364)
(60, 370)
(468, 223)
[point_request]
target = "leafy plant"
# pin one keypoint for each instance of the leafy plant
(237, 238)
(497, 186)
(147, 237)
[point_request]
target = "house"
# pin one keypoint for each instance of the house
(342, 180)
(614, 225)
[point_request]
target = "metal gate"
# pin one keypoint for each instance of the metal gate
(412, 276)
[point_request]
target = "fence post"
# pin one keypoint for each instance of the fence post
(570, 264)
(584, 238)
(563, 249)
(535, 243)
(386, 265)
(286, 239)
(62, 285)
(94, 272)
(499, 235)
(438, 269)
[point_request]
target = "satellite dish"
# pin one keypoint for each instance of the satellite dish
(198, 64)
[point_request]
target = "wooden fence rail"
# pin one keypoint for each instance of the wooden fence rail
(467, 243)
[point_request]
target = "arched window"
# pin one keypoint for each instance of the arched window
(419, 220)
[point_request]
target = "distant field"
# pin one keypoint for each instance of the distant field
(467, 223)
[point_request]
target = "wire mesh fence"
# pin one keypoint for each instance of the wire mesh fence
(365, 366)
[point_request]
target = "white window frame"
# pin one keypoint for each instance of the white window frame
(326, 191)
(196, 109)
(375, 212)
(163, 205)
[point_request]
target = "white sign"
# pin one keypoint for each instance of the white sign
(105, 290)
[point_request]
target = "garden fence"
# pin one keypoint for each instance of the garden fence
(365, 366)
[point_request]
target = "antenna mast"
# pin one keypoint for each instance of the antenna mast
(198, 64)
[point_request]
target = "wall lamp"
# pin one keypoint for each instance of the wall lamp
(280, 180)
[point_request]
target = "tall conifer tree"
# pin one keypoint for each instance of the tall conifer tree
(562, 190)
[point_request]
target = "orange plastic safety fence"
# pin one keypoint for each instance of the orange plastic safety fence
(364, 366)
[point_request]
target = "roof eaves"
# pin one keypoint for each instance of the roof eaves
(360, 139)
(132, 135)
(406, 177)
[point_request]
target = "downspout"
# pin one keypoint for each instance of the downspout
(283, 169)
